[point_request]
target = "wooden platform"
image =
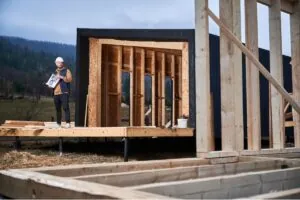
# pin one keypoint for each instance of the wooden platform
(34, 129)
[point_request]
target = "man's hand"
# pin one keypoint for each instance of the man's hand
(60, 77)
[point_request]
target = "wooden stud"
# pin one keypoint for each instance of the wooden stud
(276, 70)
(250, 55)
(173, 88)
(178, 87)
(131, 60)
(94, 109)
(185, 79)
(253, 88)
(119, 84)
(231, 78)
(153, 86)
(163, 92)
(286, 5)
(295, 40)
(142, 88)
(203, 112)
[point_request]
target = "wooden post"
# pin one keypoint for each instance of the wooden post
(231, 79)
(295, 39)
(276, 70)
(119, 84)
(185, 79)
(252, 74)
(153, 86)
(163, 86)
(173, 89)
(142, 88)
(94, 90)
(131, 64)
(256, 62)
(203, 112)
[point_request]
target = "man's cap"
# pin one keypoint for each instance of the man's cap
(59, 59)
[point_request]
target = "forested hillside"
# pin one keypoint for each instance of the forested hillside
(26, 65)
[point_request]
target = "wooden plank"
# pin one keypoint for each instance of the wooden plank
(28, 184)
(94, 109)
(163, 92)
(142, 88)
(60, 132)
(295, 44)
(289, 124)
(153, 80)
(261, 68)
(173, 89)
(131, 60)
(231, 78)
(22, 123)
(252, 78)
(119, 83)
(185, 80)
(203, 113)
(276, 70)
(105, 87)
(178, 87)
(286, 6)
(159, 132)
(144, 44)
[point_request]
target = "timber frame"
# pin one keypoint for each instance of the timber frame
(231, 49)
(138, 52)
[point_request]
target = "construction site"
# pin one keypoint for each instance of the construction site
(235, 105)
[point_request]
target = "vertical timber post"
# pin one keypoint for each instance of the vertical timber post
(231, 79)
(295, 39)
(203, 112)
(276, 70)
(252, 78)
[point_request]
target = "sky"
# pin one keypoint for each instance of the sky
(57, 20)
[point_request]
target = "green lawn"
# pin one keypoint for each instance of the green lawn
(26, 109)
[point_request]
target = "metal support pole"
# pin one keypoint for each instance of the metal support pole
(18, 143)
(60, 146)
(172, 105)
(126, 149)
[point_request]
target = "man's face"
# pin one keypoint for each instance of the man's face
(59, 64)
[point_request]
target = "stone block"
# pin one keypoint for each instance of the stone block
(271, 176)
(245, 167)
(291, 184)
(217, 194)
(272, 186)
(215, 161)
(245, 191)
(240, 180)
(292, 173)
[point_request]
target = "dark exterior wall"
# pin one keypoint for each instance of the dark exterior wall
(176, 35)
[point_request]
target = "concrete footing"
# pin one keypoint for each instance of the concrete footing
(212, 177)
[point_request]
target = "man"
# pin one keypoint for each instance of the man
(62, 92)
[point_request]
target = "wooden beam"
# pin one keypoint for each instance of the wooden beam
(286, 6)
(142, 88)
(178, 87)
(153, 87)
(163, 87)
(252, 78)
(276, 70)
(202, 76)
(94, 90)
(131, 67)
(295, 43)
(144, 44)
(119, 84)
(261, 68)
(231, 78)
(173, 89)
(162, 132)
(185, 79)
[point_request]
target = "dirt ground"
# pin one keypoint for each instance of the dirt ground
(45, 153)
